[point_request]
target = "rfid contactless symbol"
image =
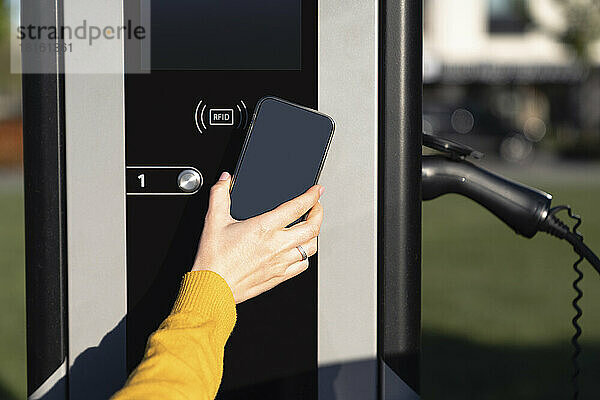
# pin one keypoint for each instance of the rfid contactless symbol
(526, 210)
(198, 116)
(220, 116)
(207, 116)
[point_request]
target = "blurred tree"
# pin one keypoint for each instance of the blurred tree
(4, 17)
(4, 25)
(582, 19)
(577, 26)
(583, 26)
(8, 82)
(4, 40)
(580, 26)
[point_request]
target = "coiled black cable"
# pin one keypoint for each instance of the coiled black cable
(526, 210)
(575, 322)
(557, 228)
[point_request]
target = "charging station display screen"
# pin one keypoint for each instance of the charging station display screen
(226, 34)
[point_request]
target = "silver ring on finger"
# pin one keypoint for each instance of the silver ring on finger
(302, 253)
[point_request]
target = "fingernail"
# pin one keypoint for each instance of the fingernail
(224, 176)
(321, 191)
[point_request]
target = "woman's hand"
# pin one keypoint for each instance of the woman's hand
(259, 253)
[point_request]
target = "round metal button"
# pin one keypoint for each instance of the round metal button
(189, 180)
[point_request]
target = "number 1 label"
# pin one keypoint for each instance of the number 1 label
(142, 178)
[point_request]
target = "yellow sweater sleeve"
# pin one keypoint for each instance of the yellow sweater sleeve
(184, 357)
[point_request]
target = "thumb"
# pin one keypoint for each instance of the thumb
(219, 203)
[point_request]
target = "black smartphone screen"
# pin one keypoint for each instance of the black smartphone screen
(282, 158)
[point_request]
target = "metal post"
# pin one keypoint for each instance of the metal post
(399, 216)
(45, 211)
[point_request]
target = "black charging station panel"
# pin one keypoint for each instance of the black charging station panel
(211, 63)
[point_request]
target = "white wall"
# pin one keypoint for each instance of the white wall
(456, 32)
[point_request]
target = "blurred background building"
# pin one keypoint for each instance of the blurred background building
(516, 79)
(514, 76)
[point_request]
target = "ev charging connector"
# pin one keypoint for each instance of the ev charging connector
(526, 210)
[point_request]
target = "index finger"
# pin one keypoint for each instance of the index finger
(290, 211)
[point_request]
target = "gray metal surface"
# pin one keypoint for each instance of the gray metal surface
(348, 63)
(355, 380)
(95, 150)
(53, 388)
(400, 201)
(393, 387)
(96, 196)
(189, 180)
(44, 201)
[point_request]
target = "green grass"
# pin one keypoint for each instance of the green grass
(12, 296)
(496, 307)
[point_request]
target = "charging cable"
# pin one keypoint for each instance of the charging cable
(526, 210)
(559, 229)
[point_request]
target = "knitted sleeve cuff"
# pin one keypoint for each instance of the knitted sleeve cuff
(205, 296)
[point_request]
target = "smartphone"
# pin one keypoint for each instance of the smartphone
(282, 157)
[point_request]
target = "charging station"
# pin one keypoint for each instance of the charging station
(118, 167)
